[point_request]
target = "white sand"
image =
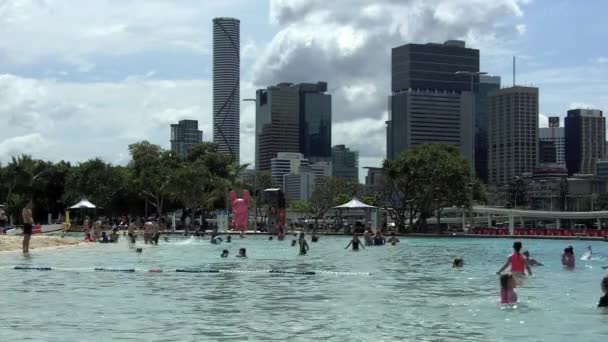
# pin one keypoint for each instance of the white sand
(13, 243)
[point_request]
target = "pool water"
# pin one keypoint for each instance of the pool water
(412, 294)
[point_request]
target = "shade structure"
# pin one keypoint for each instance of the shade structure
(354, 204)
(83, 204)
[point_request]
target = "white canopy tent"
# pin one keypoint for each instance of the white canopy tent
(83, 204)
(356, 204)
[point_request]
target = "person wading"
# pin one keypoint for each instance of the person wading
(28, 224)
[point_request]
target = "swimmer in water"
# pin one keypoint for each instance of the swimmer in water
(518, 263)
(393, 240)
(603, 303)
(588, 254)
(458, 263)
(507, 289)
(568, 257)
(355, 242)
(228, 238)
(379, 239)
(270, 238)
(531, 261)
(242, 253)
(368, 236)
(224, 253)
(303, 244)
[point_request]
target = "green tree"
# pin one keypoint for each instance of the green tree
(518, 193)
(300, 207)
(95, 180)
(330, 192)
(421, 182)
(153, 170)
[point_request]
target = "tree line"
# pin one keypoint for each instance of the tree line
(417, 184)
(153, 178)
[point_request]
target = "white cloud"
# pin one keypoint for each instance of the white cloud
(521, 29)
(543, 120)
(601, 60)
(23, 144)
(83, 120)
(77, 32)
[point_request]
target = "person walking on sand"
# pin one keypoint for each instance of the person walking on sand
(28, 224)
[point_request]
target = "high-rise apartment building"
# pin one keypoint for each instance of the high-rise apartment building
(277, 123)
(184, 136)
(345, 163)
(285, 164)
(226, 86)
(433, 66)
(430, 102)
(296, 176)
(420, 117)
(547, 152)
(555, 134)
(487, 84)
(513, 132)
(585, 134)
(315, 121)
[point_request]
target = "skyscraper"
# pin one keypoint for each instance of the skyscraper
(554, 133)
(226, 84)
(315, 121)
(277, 123)
(487, 84)
(513, 131)
(585, 135)
(184, 136)
(345, 163)
(430, 103)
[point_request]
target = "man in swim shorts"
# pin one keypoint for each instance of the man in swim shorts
(28, 225)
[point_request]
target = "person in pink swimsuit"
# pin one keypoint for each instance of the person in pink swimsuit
(507, 289)
(519, 264)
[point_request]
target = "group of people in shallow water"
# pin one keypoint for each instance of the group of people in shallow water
(520, 262)
(371, 239)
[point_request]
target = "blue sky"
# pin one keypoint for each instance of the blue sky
(84, 79)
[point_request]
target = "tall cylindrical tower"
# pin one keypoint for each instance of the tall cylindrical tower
(226, 83)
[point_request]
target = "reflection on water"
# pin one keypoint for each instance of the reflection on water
(412, 294)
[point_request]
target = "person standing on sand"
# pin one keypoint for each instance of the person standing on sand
(28, 224)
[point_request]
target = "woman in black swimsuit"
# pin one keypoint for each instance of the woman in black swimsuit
(355, 242)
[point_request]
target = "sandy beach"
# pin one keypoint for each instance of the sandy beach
(13, 243)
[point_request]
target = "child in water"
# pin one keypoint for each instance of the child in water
(604, 300)
(393, 240)
(519, 264)
(242, 253)
(568, 257)
(507, 289)
(458, 263)
(224, 253)
(531, 261)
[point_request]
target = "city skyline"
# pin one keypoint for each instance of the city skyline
(155, 69)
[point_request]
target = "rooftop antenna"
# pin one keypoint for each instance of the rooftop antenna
(514, 71)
